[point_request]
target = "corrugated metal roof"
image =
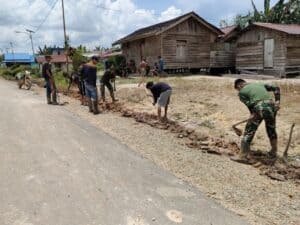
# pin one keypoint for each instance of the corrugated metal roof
(157, 28)
(293, 29)
(229, 29)
(18, 57)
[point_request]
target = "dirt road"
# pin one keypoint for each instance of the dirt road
(58, 169)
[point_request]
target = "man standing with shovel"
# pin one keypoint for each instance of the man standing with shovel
(262, 107)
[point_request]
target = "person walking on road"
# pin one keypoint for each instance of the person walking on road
(161, 95)
(262, 107)
(50, 82)
(107, 78)
(89, 73)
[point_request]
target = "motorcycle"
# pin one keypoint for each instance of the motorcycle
(24, 79)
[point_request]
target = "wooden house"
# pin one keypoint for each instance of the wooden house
(59, 62)
(270, 49)
(183, 43)
(223, 51)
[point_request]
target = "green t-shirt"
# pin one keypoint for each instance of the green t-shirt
(253, 93)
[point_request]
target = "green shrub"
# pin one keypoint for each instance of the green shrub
(17, 70)
(60, 81)
(116, 62)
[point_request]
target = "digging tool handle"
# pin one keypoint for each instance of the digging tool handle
(244, 121)
(115, 88)
(285, 154)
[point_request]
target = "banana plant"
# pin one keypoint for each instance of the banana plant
(285, 12)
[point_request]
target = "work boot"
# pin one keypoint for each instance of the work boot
(90, 105)
(54, 99)
(273, 152)
(49, 100)
(112, 94)
(95, 108)
(243, 155)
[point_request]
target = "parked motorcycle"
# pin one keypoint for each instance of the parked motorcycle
(24, 79)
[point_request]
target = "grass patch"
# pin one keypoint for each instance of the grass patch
(60, 81)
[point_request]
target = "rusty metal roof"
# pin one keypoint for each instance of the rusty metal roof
(55, 59)
(161, 27)
(229, 29)
(293, 29)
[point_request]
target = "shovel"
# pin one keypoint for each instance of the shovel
(238, 131)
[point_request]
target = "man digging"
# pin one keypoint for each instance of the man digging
(161, 94)
(89, 72)
(109, 75)
(262, 107)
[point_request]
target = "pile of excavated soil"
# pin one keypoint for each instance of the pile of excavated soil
(275, 169)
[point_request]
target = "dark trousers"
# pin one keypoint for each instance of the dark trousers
(48, 88)
(51, 92)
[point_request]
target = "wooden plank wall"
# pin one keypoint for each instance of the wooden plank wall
(222, 55)
(250, 50)
(198, 38)
(293, 51)
(131, 51)
(150, 50)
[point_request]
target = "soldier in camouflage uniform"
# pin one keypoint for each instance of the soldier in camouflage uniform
(262, 107)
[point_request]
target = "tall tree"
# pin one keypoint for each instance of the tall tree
(285, 12)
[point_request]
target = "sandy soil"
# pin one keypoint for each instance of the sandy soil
(211, 106)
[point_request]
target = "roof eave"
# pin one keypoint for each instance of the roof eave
(125, 40)
(269, 28)
(191, 14)
(195, 16)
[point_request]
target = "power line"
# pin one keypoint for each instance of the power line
(46, 17)
(13, 9)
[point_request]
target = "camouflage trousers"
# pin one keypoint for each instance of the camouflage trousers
(263, 111)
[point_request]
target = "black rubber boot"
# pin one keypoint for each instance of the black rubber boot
(95, 108)
(273, 152)
(54, 98)
(112, 94)
(49, 100)
(242, 157)
(90, 105)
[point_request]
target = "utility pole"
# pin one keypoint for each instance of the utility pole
(12, 51)
(29, 32)
(65, 35)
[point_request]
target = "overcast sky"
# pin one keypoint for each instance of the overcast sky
(100, 22)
